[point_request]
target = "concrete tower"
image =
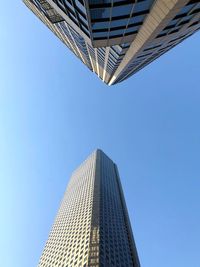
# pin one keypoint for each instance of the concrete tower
(92, 227)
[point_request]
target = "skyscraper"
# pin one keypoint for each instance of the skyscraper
(92, 227)
(117, 38)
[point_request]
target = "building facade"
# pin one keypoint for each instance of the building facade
(92, 227)
(117, 38)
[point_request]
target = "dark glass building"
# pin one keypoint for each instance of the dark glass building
(92, 227)
(117, 38)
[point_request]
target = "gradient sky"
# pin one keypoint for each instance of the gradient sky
(54, 112)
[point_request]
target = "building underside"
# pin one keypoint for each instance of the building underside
(114, 38)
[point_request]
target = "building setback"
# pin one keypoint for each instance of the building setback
(92, 227)
(117, 38)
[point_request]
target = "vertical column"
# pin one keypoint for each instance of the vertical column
(93, 259)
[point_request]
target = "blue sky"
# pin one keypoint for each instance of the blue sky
(54, 112)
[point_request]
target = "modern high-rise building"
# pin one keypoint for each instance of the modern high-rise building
(117, 38)
(92, 227)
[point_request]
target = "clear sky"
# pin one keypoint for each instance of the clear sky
(54, 112)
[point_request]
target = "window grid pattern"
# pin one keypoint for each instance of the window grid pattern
(76, 11)
(68, 242)
(86, 53)
(115, 245)
(52, 27)
(90, 229)
(79, 43)
(184, 16)
(47, 10)
(116, 54)
(183, 25)
(104, 54)
(114, 19)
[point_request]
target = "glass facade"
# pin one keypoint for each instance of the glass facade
(77, 41)
(102, 33)
(183, 17)
(47, 10)
(182, 25)
(115, 245)
(76, 11)
(114, 19)
(104, 20)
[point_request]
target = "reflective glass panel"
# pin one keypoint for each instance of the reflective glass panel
(121, 10)
(100, 13)
(100, 25)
